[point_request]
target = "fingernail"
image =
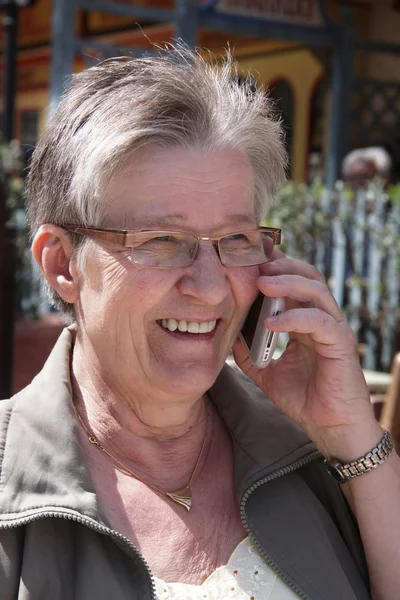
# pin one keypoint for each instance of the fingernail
(272, 320)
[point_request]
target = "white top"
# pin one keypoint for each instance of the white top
(245, 577)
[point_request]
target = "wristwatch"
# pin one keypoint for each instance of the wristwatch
(375, 457)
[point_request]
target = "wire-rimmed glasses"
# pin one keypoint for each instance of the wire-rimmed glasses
(169, 249)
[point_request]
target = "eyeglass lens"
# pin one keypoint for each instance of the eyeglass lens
(177, 249)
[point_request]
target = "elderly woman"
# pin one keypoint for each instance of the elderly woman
(137, 464)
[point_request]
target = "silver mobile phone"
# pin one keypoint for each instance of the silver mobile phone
(259, 341)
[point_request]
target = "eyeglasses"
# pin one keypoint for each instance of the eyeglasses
(169, 249)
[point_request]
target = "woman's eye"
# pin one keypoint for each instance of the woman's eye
(164, 238)
(236, 236)
(238, 239)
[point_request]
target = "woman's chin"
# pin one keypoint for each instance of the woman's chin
(190, 378)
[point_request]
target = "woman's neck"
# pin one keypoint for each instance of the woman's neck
(157, 439)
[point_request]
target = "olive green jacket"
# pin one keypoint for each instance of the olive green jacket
(55, 544)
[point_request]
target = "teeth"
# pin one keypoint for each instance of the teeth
(182, 326)
(171, 324)
(191, 326)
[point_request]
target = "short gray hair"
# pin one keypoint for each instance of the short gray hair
(375, 154)
(174, 99)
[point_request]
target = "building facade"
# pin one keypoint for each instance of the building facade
(297, 75)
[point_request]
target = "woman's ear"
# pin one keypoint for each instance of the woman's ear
(53, 252)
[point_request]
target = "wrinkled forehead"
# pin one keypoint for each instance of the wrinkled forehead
(193, 185)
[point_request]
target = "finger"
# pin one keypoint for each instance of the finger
(280, 264)
(301, 289)
(277, 254)
(334, 339)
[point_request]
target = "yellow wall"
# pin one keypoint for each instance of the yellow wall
(302, 70)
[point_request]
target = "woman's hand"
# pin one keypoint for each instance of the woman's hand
(318, 381)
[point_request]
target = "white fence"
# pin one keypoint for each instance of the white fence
(354, 240)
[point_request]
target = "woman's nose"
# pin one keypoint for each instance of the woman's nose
(206, 279)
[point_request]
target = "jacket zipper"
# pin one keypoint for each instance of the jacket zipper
(92, 524)
(270, 562)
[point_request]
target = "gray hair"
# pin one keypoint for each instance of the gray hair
(174, 99)
(375, 154)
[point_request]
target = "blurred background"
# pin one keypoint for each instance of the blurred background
(333, 70)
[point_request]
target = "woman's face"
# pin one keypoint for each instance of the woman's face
(122, 305)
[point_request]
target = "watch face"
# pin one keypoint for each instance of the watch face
(334, 472)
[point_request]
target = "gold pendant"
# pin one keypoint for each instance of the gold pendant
(182, 497)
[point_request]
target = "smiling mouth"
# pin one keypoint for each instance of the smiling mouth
(193, 327)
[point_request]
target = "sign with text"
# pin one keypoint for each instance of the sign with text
(293, 12)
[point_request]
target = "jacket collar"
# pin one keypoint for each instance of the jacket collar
(38, 427)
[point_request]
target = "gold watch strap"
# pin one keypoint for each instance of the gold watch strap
(364, 464)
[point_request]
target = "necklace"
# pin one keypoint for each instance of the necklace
(182, 496)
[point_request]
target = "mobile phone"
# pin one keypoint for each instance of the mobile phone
(259, 341)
